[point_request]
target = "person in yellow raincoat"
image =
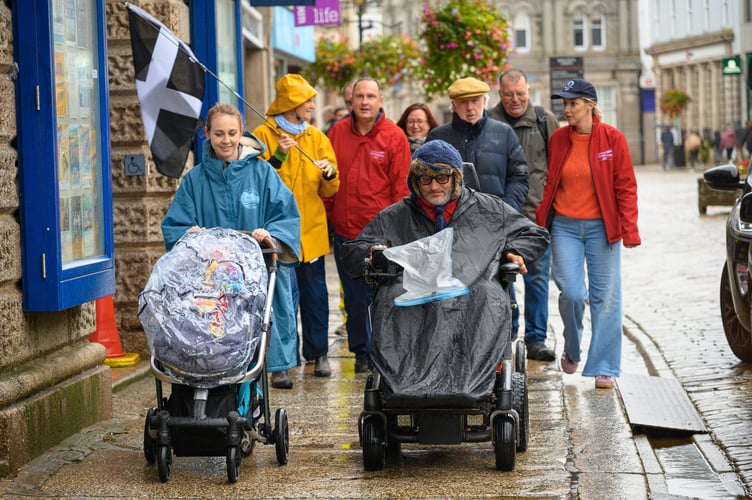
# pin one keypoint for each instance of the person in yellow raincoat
(303, 157)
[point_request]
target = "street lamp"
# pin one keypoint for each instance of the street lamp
(361, 5)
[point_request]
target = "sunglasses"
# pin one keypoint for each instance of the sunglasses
(426, 180)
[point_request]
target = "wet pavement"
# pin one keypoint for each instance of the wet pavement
(580, 442)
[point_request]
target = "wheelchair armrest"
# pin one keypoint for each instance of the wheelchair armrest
(508, 273)
(377, 268)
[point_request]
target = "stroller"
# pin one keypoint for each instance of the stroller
(206, 312)
(438, 379)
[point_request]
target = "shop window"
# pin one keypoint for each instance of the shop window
(217, 43)
(62, 111)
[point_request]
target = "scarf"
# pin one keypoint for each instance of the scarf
(415, 143)
(289, 127)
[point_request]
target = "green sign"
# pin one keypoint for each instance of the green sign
(731, 66)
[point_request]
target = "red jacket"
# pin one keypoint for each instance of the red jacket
(373, 172)
(613, 176)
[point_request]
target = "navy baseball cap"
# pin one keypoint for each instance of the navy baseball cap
(577, 88)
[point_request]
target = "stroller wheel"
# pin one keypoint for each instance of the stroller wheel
(520, 405)
(374, 446)
(164, 463)
(150, 444)
(233, 464)
(503, 429)
(519, 356)
(281, 436)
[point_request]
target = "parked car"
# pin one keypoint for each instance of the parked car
(736, 303)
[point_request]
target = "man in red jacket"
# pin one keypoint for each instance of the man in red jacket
(373, 157)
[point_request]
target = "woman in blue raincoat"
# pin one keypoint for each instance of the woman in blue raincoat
(233, 188)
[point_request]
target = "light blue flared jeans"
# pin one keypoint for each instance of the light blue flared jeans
(580, 246)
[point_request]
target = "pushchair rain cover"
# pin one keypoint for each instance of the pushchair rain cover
(202, 308)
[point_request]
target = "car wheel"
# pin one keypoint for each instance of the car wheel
(738, 337)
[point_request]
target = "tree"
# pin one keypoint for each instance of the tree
(462, 38)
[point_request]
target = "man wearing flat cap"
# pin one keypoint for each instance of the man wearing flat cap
(287, 133)
(488, 144)
(455, 332)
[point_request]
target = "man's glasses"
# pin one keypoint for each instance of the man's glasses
(425, 180)
(415, 122)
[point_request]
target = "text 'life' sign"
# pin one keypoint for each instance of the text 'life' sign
(325, 12)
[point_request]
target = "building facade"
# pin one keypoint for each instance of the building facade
(81, 201)
(704, 48)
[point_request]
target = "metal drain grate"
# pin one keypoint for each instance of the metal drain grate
(658, 402)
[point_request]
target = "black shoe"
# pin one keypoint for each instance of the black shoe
(322, 368)
(361, 364)
(281, 380)
(540, 352)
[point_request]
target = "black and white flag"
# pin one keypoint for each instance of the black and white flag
(170, 87)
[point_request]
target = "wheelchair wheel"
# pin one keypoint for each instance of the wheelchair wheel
(374, 447)
(520, 405)
(503, 429)
(520, 353)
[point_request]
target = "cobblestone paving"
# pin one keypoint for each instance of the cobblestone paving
(678, 268)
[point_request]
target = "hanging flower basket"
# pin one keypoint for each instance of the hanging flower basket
(463, 38)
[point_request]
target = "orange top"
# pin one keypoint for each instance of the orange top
(576, 197)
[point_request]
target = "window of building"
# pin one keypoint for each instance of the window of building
(521, 26)
(578, 32)
(597, 33)
(607, 105)
(227, 51)
(62, 112)
(217, 42)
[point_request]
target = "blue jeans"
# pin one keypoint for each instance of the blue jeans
(577, 243)
(536, 301)
(314, 307)
(358, 298)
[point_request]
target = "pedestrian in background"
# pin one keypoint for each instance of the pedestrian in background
(287, 135)
(234, 188)
(589, 206)
(373, 157)
(491, 146)
(692, 144)
(533, 126)
(667, 142)
(728, 143)
(417, 121)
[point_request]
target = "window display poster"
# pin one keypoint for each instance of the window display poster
(77, 227)
(69, 19)
(61, 93)
(89, 232)
(63, 158)
(71, 74)
(66, 234)
(74, 148)
(86, 146)
(58, 22)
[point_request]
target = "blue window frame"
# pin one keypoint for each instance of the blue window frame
(217, 42)
(65, 180)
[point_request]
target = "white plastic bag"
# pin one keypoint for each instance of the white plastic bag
(427, 274)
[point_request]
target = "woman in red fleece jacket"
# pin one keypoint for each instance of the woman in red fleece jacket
(589, 205)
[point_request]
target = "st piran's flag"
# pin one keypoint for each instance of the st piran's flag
(170, 87)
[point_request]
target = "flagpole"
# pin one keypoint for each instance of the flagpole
(273, 126)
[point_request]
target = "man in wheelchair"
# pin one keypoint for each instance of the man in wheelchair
(446, 349)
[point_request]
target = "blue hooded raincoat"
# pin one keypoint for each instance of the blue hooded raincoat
(245, 195)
